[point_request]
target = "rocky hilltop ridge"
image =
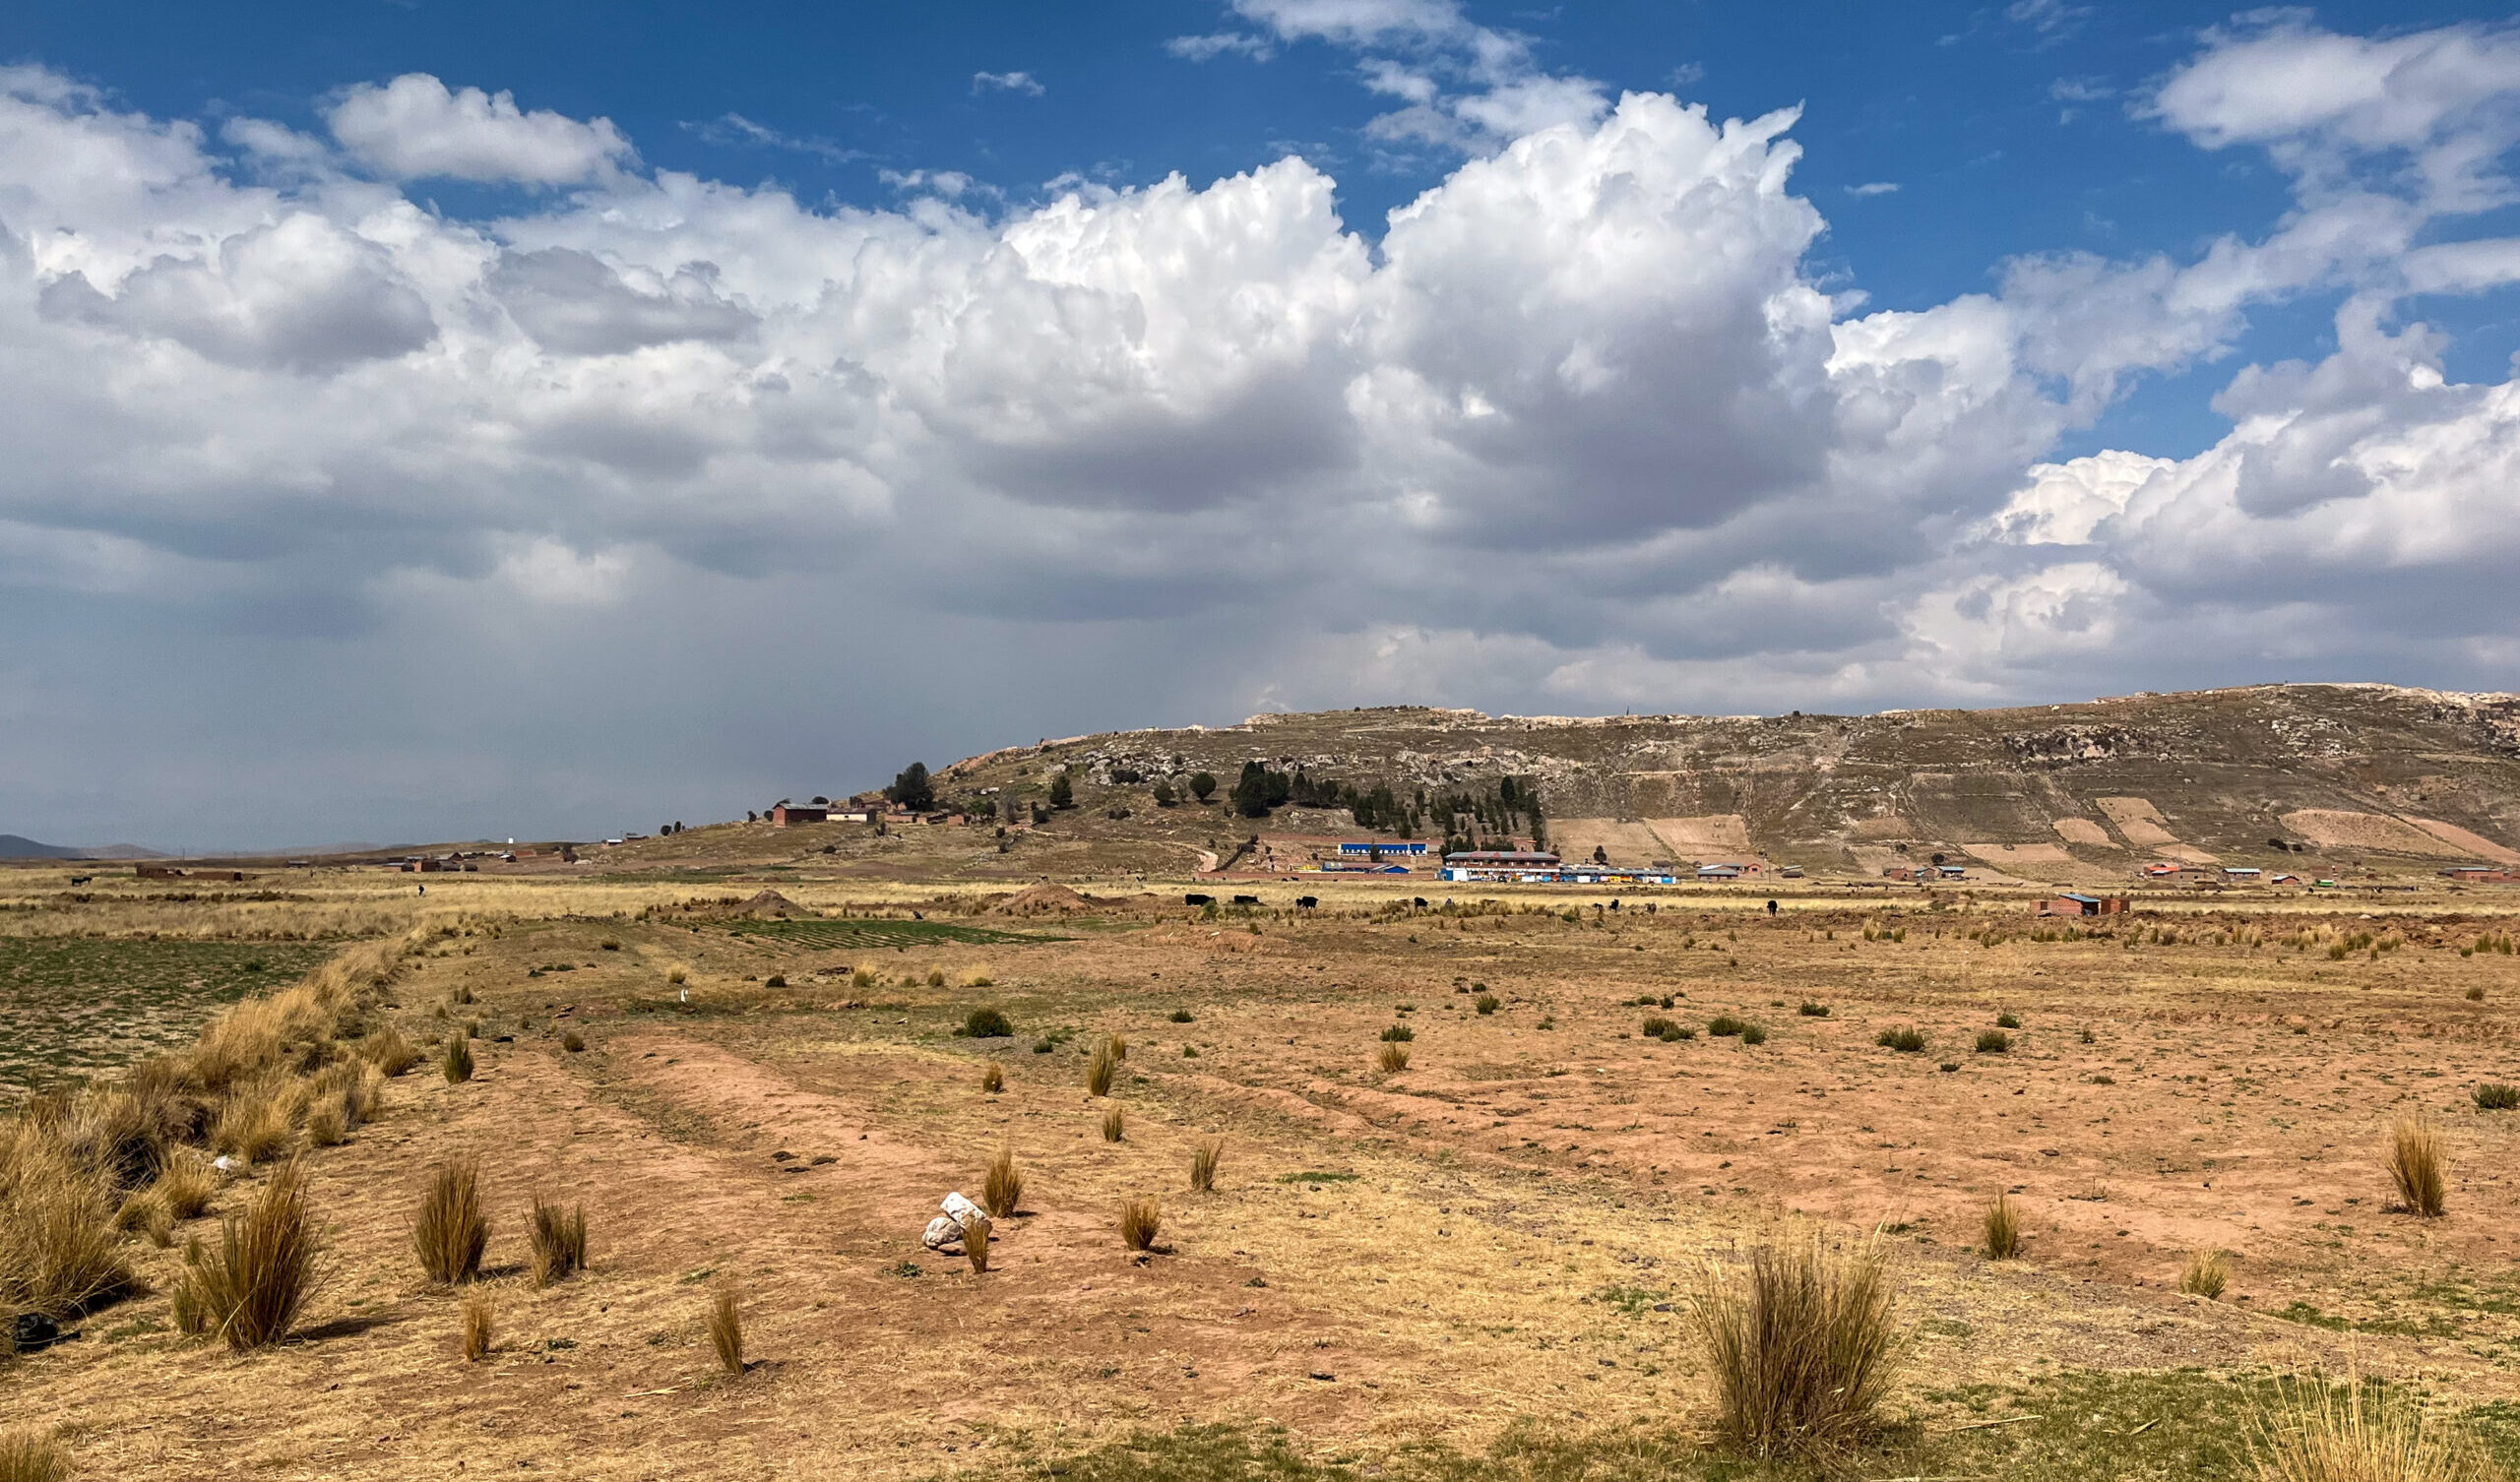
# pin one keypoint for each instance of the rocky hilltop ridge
(2328, 773)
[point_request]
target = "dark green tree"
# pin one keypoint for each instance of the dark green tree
(1062, 792)
(1202, 785)
(912, 790)
(1163, 794)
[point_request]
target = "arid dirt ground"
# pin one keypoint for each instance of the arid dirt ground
(1503, 1235)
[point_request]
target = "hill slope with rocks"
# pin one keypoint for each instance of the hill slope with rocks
(2316, 775)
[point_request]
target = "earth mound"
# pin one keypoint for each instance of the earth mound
(1040, 900)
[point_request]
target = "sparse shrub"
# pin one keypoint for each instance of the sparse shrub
(1802, 1342)
(388, 1051)
(1657, 1026)
(457, 1064)
(2007, 1020)
(477, 1327)
(775, 980)
(987, 1024)
(608, 943)
(2206, 1275)
(1203, 1165)
(1811, 1009)
(1003, 1188)
(559, 1240)
(936, 977)
(1949, 1066)
(1044, 1045)
(1183, 1017)
(2493, 1095)
(678, 976)
(2086, 1036)
(1993, 1042)
(572, 1042)
(1726, 1026)
(32, 1455)
(2356, 1432)
(1485, 1003)
(861, 977)
(449, 1233)
(1903, 1039)
(2475, 995)
(2419, 1165)
(2002, 1229)
(993, 1077)
(1100, 1068)
(1397, 1034)
(726, 1326)
(1754, 1034)
(1392, 1059)
(1112, 1125)
(249, 1289)
(1140, 1219)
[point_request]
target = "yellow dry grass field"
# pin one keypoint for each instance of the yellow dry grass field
(1482, 1264)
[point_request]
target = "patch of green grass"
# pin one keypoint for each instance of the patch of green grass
(879, 933)
(1314, 1177)
(80, 1006)
(1630, 1300)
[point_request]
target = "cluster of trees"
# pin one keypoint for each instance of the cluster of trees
(912, 789)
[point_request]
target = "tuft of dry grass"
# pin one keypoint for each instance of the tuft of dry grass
(2003, 1229)
(256, 1123)
(388, 1051)
(2317, 1432)
(145, 1216)
(1003, 1189)
(726, 1328)
(1101, 1068)
(59, 1254)
(449, 1233)
(572, 1042)
(975, 1244)
(559, 1241)
(185, 1184)
(1392, 1058)
(1112, 1129)
(326, 1127)
(477, 1327)
(1802, 1342)
(32, 1455)
(2206, 1275)
(248, 1289)
(1203, 1165)
(2419, 1165)
(1140, 1219)
(457, 1064)
(993, 1077)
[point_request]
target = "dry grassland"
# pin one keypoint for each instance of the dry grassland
(1482, 1264)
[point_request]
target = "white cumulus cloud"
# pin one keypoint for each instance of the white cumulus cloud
(415, 127)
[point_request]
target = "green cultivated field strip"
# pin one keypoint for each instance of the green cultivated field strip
(74, 1005)
(879, 933)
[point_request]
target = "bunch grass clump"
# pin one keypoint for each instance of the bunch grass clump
(2494, 1095)
(1002, 1190)
(725, 1325)
(1803, 1343)
(449, 1233)
(457, 1064)
(1906, 1039)
(2355, 1432)
(993, 1077)
(388, 1051)
(1100, 1067)
(1392, 1058)
(59, 1254)
(1113, 1128)
(32, 1455)
(2002, 1229)
(2206, 1275)
(1993, 1042)
(1140, 1219)
(2420, 1165)
(477, 1327)
(249, 1288)
(559, 1241)
(1203, 1165)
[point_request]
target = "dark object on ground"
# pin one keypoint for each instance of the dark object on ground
(34, 1332)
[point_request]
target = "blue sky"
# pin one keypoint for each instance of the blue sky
(872, 343)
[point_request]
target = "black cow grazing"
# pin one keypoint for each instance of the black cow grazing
(81, 878)
(1198, 900)
(1307, 901)
(1771, 908)
(1421, 902)
(1247, 901)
